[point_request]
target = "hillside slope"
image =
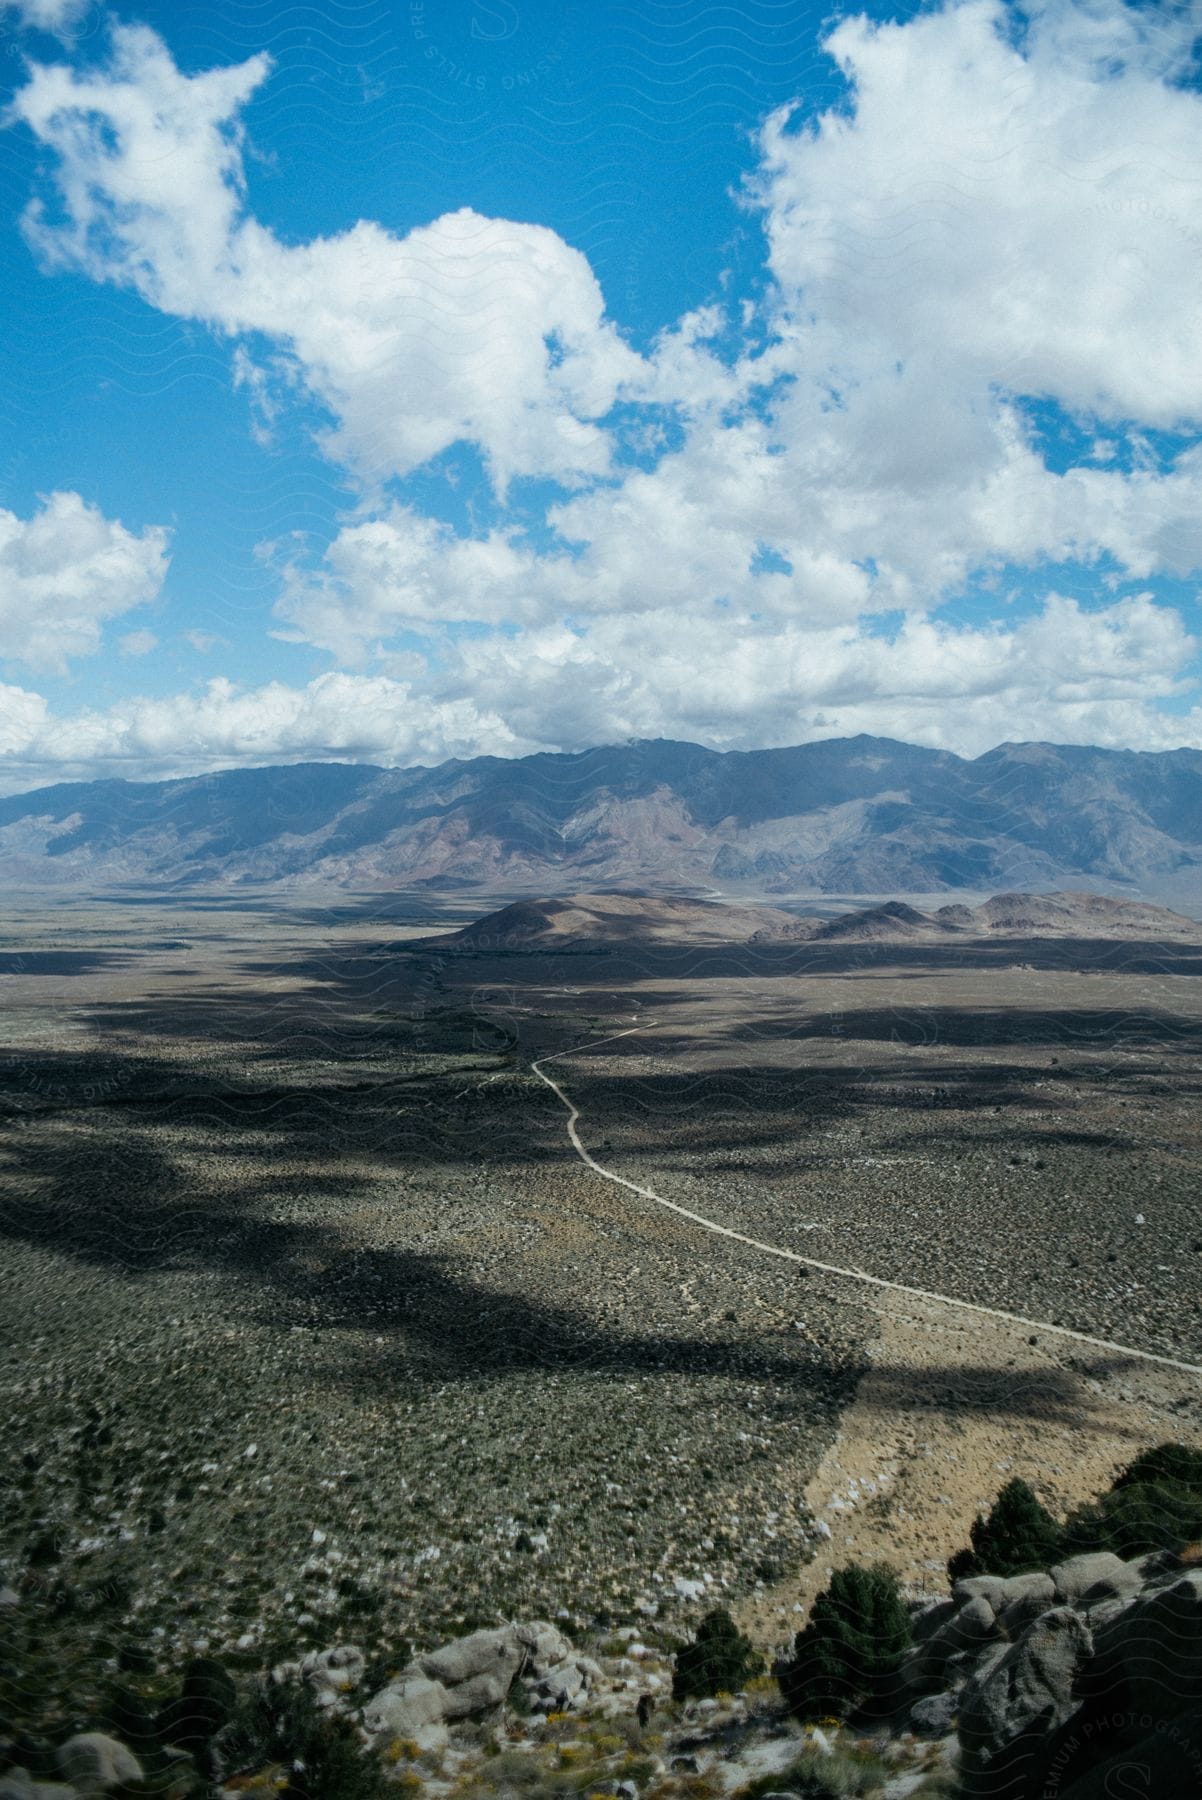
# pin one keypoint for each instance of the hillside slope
(856, 815)
(615, 919)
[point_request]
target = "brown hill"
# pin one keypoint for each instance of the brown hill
(593, 921)
(597, 919)
(1005, 915)
(892, 920)
(1078, 915)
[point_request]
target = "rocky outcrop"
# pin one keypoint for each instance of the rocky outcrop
(474, 1674)
(1099, 1576)
(1054, 1677)
(411, 1707)
(1018, 1698)
(496, 1654)
(94, 1763)
(939, 1658)
(1149, 1658)
(91, 1763)
(329, 1673)
(1024, 1598)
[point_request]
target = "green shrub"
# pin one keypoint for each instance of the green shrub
(129, 1717)
(381, 1669)
(844, 1776)
(207, 1701)
(849, 1654)
(1154, 1504)
(322, 1751)
(1019, 1534)
(963, 1563)
(719, 1659)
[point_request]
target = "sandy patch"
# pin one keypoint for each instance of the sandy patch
(951, 1409)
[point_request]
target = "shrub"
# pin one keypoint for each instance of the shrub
(380, 1670)
(129, 1717)
(962, 1564)
(322, 1751)
(207, 1701)
(849, 1654)
(817, 1777)
(1154, 1504)
(1018, 1534)
(719, 1659)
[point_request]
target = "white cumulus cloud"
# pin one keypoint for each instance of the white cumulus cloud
(1066, 673)
(63, 572)
(997, 229)
(354, 717)
(138, 643)
(57, 16)
(467, 329)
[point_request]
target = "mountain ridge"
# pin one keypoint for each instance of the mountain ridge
(842, 815)
(614, 920)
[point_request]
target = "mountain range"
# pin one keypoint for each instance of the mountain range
(852, 815)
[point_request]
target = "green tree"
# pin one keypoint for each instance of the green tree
(849, 1654)
(208, 1699)
(1154, 1504)
(321, 1750)
(1018, 1534)
(719, 1659)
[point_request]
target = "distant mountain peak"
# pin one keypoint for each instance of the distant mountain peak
(864, 814)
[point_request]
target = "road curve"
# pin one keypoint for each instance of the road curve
(809, 1262)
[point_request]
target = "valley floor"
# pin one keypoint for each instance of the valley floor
(317, 1327)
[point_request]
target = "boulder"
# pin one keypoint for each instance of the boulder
(1100, 1572)
(972, 1624)
(935, 1715)
(991, 1588)
(1149, 1658)
(498, 1652)
(470, 1675)
(1024, 1598)
(561, 1686)
(1155, 1563)
(1038, 1585)
(92, 1763)
(1103, 1612)
(929, 1617)
(407, 1707)
(920, 1672)
(544, 1644)
(1113, 1590)
(333, 1671)
(972, 1665)
(477, 1694)
(19, 1784)
(1008, 1709)
(966, 1630)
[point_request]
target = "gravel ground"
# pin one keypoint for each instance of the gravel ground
(1041, 1158)
(315, 1328)
(313, 1331)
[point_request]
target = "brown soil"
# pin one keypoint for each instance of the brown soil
(951, 1409)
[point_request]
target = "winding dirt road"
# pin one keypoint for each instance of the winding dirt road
(809, 1262)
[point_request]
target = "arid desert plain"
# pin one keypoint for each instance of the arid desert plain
(315, 1319)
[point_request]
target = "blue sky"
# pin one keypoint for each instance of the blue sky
(396, 381)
